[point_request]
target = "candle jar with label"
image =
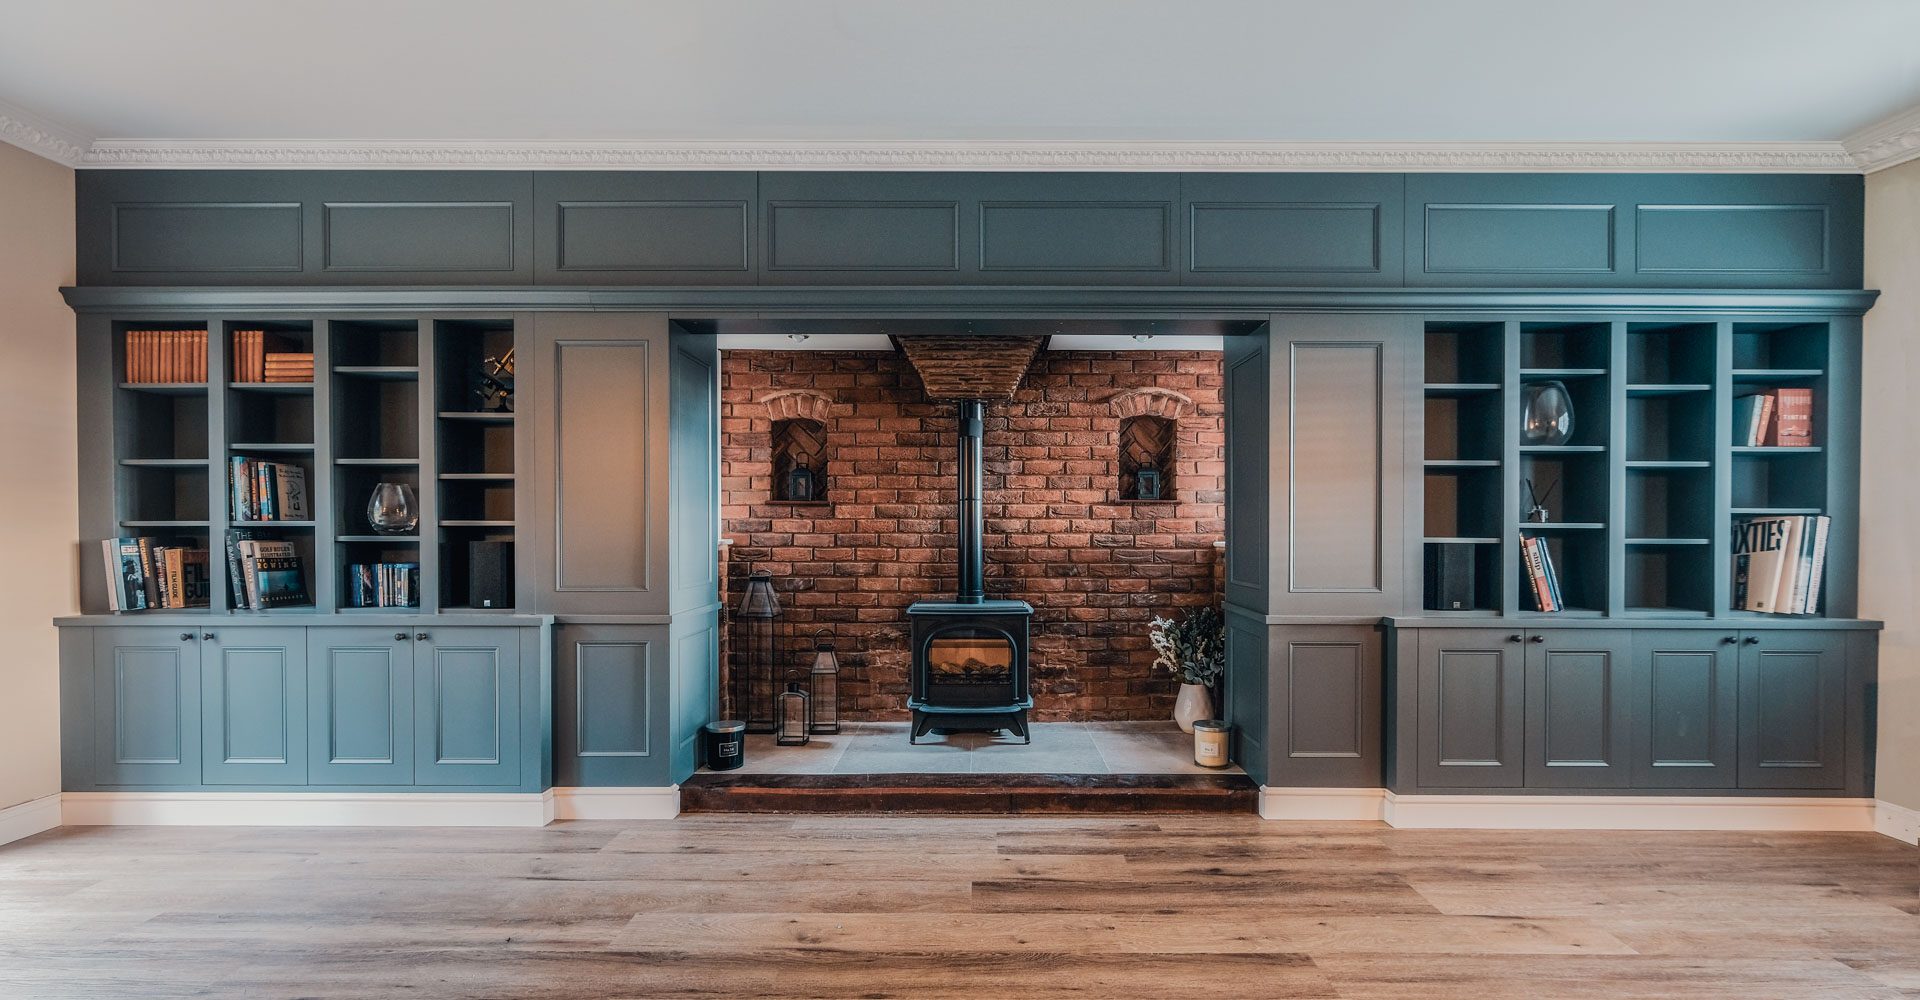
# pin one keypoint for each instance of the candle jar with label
(1210, 743)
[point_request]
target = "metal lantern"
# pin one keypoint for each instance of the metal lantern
(1146, 483)
(824, 678)
(795, 716)
(800, 483)
(756, 653)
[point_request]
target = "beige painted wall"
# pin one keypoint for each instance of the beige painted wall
(1890, 463)
(38, 494)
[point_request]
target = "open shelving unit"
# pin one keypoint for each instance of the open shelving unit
(1644, 495)
(391, 402)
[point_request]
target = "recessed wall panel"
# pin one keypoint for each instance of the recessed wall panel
(1335, 468)
(653, 236)
(209, 237)
(418, 236)
(601, 439)
(1781, 239)
(1076, 236)
(1519, 239)
(1258, 238)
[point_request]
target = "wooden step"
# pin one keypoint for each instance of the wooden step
(969, 794)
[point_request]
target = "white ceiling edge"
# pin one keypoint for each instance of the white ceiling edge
(1890, 142)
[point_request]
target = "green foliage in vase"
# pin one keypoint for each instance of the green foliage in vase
(1193, 645)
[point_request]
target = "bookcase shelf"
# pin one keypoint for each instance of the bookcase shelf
(166, 388)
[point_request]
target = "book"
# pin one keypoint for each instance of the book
(1784, 601)
(290, 493)
(1547, 571)
(1751, 414)
(149, 572)
(236, 569)
(1822, 526)
(240, 479)
(126, 576)
(1759, 560)
(1793, 418)
(263, 493)
(1533, 548)
(280, 581)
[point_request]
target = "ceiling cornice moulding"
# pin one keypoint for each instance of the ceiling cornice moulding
(37, 135)
(1887, 143)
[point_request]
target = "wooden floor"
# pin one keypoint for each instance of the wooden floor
(1143, 908)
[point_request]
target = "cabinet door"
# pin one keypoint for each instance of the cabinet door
(1578, 731)
(253, 706)
(1472, 708)
(1792, 709)
(359, 706)
(146, 715)
(1685, 708)
(467, 707)
(611, 690)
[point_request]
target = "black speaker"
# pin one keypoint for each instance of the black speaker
(490, 574)
(1449, 577)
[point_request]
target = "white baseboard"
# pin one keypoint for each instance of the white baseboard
(1898, 822)
(1323, 803)
(1582, 812)
(30, 817)
(526, 809)
(616, 803)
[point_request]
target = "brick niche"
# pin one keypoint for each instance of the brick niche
(1095, 569)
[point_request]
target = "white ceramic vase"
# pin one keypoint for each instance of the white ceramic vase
(1195, 703)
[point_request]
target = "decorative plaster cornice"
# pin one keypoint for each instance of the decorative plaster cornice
(1783, 157)
(35, 134)
(1886, 143)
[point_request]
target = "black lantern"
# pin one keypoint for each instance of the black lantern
(757, 653)
(1146, 483)
(824, 678)
(800, 483)
(795, 716)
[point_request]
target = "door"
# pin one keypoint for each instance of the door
(466, 725)
(359, 706)
(1685, 708)
(1578, 719)
(1472, 708)
(146, 684)
(253, 718)
(1793, 709)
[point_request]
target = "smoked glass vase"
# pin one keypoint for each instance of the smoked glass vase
(1546, 413)
(392, 510)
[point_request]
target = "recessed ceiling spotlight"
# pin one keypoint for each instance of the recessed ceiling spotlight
(798, 338)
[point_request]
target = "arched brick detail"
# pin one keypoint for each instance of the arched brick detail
(802, 404)
(1150, 402)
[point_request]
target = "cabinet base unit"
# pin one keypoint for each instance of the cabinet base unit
(1628, 708)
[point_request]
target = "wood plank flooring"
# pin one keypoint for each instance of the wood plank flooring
(898, 906)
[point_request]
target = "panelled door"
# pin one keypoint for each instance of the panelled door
(146, 692)
(253, 714)
(1578, 715)
(360, 706)
(467, 707)
(1793, 709)
(1472, 708)
(1685, 708)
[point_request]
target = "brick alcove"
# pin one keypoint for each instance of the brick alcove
(1059, 536)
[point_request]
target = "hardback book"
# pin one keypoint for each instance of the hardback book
(1534, 549)
(1751, 414)
(236, 568)
(258, 553)
(196, 579)
(280, 580)
(1760, 557)
(1785, 599)
(1547, 572)
(149, 572)
(126, 576)
(241, 477)
(290, 493)
(263, 491)
(1793, 420)
(1821, 526)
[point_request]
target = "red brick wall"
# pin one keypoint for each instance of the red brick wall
(1095, 569)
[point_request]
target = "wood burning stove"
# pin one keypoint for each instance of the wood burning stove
(970, 654)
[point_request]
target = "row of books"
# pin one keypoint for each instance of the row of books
(267, 491)
(1543, 584)
(160, 356)
(1777, 417)
(1778, 563)
(259, 356)
(383, 585)
(143, 575)
(264, 573)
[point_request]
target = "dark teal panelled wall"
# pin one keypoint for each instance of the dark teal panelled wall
(677, 229)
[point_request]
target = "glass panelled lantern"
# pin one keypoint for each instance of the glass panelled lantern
(757, 653)
(1146, 483)
(824, 679)
(795, 716)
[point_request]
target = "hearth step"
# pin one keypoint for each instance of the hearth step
(969, 794)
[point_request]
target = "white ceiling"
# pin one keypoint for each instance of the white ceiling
(354, 82)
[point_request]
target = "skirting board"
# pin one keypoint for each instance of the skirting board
(1567, 812)
(30, 817)
(527, 809)
(1898, 822)
(616, 803)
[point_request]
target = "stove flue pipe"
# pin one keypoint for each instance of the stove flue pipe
(972, 518)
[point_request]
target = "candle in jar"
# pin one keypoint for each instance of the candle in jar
(1210, 743)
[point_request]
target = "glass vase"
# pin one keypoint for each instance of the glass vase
(392, 510)
(1546, 413)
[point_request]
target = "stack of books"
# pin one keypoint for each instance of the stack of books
(263, 574)
(1778, 563)
(267, 491)
(143, 575)
(1780, 418)
(162, 356)
(1543, 584)
(383, 585)
(259, 356)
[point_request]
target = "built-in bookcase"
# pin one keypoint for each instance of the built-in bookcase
(392, 401)
(1643, 495)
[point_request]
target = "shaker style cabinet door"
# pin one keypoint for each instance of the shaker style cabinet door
(146, 712)
(467, 707)
(1793, 717)
(1472, 708)
(1685, 708)
(253, 706)
(1578, 688)
(359, 706)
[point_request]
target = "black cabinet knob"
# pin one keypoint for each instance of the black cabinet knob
(1729, 640)
(422, 636)
(186, 637)
(1752, 640)
(207, 636)
(1514, 637)
(402, 637)
(1536, 638)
